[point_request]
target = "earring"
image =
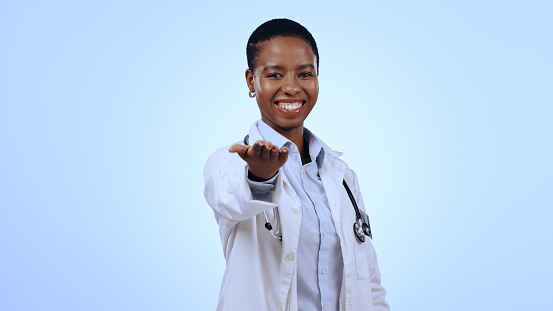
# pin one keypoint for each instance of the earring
(252, 94)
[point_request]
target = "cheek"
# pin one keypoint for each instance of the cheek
(266, 88)
(312, 88)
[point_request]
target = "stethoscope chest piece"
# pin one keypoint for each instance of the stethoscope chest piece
(359, 232)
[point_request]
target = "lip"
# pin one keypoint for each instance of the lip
(290, 113)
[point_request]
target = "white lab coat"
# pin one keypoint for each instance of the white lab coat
(261, 270)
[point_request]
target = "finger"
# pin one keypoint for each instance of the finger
(283, 154)
(274, 153)
(240, 149)
(256, 149)
(266, 153)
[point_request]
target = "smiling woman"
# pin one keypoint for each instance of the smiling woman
(289, 178)
(285, 83)
(286, 86)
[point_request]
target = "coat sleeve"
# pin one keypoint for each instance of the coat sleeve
(228, 193)
(377, 290)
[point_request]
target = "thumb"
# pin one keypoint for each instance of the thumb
(240, 149)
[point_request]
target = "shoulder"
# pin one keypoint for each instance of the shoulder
(334, 162)
(328, 151)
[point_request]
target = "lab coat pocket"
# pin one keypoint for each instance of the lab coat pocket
(361, 260)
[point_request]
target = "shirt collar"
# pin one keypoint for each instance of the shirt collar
(271, 135)
(316, 150)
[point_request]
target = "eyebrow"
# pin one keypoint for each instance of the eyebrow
(277, 67)
(306, 66)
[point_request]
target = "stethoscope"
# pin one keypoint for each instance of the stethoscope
(361, 229)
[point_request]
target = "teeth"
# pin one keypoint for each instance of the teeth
(290, 106)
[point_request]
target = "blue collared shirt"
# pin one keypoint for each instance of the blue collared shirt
(319, 256)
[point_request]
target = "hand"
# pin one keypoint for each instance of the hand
(263, 158)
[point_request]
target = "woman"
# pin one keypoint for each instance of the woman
(285, 218)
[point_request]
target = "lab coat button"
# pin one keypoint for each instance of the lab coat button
(323, 270)
(325, 307)
(324, 234)
(296, 210)
(290, 257)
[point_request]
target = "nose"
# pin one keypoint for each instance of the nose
(291, 86)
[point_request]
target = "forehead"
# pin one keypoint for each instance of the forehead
(285, 51)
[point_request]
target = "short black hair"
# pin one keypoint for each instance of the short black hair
(273, 28)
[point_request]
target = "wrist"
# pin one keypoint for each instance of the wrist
(253, 177)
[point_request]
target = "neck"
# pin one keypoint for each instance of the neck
(298, 140)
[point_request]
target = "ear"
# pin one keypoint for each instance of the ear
(249, 80)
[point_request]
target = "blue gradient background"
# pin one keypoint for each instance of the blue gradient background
(109, 111)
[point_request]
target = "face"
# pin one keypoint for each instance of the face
(285, 82)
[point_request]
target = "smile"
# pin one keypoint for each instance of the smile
(290, 106)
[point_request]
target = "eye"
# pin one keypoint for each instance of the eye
(274, 75)
(305, 74)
